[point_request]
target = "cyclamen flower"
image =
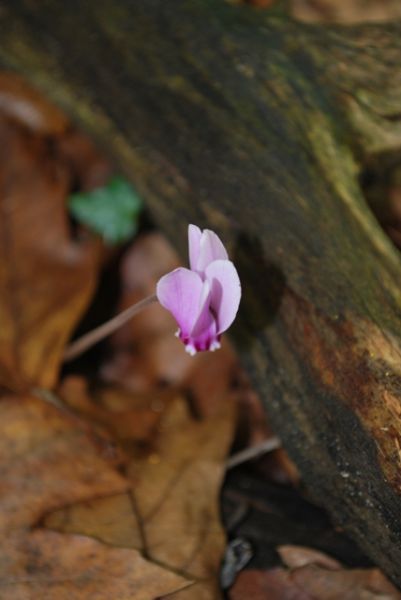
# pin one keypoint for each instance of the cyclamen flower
(204, 299)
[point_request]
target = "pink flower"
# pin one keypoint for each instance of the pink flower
(204, 299)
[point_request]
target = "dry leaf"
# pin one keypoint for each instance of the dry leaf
(174, 500)
(177, 490)
(49, 459)
(46, 278)
(127, 416)
(51, 566)
(313, 575)
(88, 166)
(364, 584)
(211, 377)
(345, 11)
(111, 519)
(21, 102)
(299, 556)
(273, 584)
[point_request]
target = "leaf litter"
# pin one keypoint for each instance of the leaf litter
(312, 575)
(49, 459)
(175, 476)
(133, 477)
(46, 277)
(110, 487)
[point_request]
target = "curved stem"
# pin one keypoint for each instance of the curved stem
(253, 452)
(91, 338)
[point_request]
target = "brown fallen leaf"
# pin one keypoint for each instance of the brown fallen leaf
(299, 556)
(112, 519)
(51, 566)
(127, 416)
(312, 575)
(88, 166)
(273, 584)
(50, 458)
(46, 278)
(364, 584)
(173, 502)
(211, 377)
(24, 104)
(321, 575)
(345, 11)
(177, 490)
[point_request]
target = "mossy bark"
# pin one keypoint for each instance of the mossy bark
(257, 126)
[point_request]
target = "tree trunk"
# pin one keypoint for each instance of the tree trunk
(258, 126)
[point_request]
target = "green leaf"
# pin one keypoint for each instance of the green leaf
(111, 211)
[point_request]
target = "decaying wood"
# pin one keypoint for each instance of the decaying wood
(258, 126)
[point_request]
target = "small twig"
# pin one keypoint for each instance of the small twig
(51, 398)
(99, 333)
(253, 452)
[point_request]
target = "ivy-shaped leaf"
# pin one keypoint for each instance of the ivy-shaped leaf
(111, 211)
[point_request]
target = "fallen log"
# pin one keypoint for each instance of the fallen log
(259, 127)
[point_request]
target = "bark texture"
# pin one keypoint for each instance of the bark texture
(257, 126)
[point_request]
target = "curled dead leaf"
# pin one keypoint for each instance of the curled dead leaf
(50, 458)
(345, 11)
(46, 278)
(299, 556)
(88, 166)
(49, 565)
(312, 575)
(21, 102)
(171, 512)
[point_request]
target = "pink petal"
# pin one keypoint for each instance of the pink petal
(180, 292)
(211, 249)
(205, 318)
(194, 238)
(226, 292)
(204, 333)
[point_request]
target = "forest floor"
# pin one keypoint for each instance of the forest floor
(123, 473)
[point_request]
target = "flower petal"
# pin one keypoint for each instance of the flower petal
(211, 249)
(194, 238)
(180, 292)
(203, 335)
(226, 292)
(205, 317)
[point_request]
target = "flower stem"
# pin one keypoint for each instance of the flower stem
(253, 452)
(91, 338)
